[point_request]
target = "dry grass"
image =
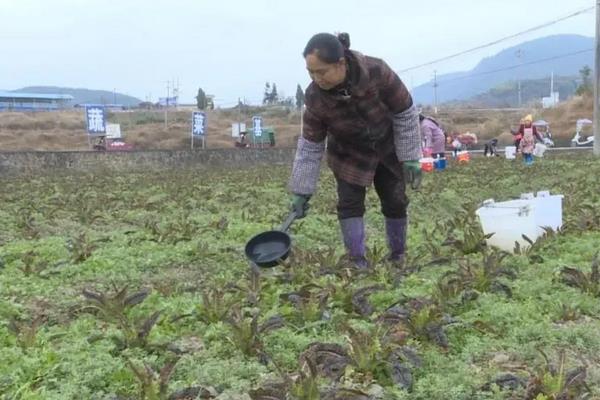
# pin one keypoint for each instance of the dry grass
(497, 123)
(485, 124)
(146, 130)
(563, 118)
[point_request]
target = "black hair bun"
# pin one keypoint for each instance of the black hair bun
(344, 39)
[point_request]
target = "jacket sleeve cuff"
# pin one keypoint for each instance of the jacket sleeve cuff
(407, 135)
(307, 165)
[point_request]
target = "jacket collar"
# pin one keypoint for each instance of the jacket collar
(357, 80)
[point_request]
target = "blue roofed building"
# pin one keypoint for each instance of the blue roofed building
(15, 101)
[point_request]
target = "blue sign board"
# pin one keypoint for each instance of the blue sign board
(95, 119)
(168, 101)
(257, 126)
(198, 123)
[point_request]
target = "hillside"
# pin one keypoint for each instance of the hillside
(532, 90)
(85, 95)
(497, 70)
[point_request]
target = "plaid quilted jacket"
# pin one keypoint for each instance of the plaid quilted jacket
(374, 123)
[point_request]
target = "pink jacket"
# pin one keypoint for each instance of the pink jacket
(433, 136)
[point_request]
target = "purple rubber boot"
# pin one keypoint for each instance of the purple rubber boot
(353, 234)
(395, 229)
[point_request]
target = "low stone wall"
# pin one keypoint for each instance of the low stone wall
(89, 161)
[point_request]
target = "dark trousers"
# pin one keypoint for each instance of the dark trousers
(389, 188)
(490, 149)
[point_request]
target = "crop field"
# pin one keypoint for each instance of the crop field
(135, 286)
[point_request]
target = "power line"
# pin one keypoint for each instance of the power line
(535, 28)
(515, 66)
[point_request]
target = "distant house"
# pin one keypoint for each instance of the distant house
(109, 107)
(14, 101)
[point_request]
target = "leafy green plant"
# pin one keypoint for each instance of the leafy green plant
(329, 359)
(419, 318)
(27, 223)
(309, 303)
(431, 242)
(247, 334)
(115, 309)
(88, 211)
(306, 387)
(533, 251)
(181, 227)
(32, 265)
(352, 300)
(553, 381)
(215, 306)
(81, 247)
(567, 312)
(252, 287)
(481, 277)
(376, 254)
(585, 217)
(26, 331)
(299, 268)
(154, 385)
(346, 394)
(373, 355)
(588, 283)
(465, 233)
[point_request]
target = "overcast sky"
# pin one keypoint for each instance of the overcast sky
(230, 48)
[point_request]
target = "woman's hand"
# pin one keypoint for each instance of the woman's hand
(412, 173)
(300, 204)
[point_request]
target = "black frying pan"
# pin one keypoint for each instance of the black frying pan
(268, 248)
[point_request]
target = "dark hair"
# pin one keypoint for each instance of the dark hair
(329, 48)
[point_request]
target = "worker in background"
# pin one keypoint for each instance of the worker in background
(490, 148)
(434, 139)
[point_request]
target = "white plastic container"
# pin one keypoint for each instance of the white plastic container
(548, 211)
(539, 150)
(510, 152)
(509, 220)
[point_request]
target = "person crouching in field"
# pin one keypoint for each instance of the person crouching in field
(490, 148)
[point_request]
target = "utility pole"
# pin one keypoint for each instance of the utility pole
(167, 104)
(597, 84)
(176, 93)
(435, 85)
(239, 116)
(519, 101)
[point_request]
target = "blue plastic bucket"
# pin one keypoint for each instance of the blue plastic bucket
(440, 163)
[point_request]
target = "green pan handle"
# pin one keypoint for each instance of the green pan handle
(288, 221)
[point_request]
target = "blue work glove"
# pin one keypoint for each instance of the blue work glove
(412, 173)
(300, 204)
